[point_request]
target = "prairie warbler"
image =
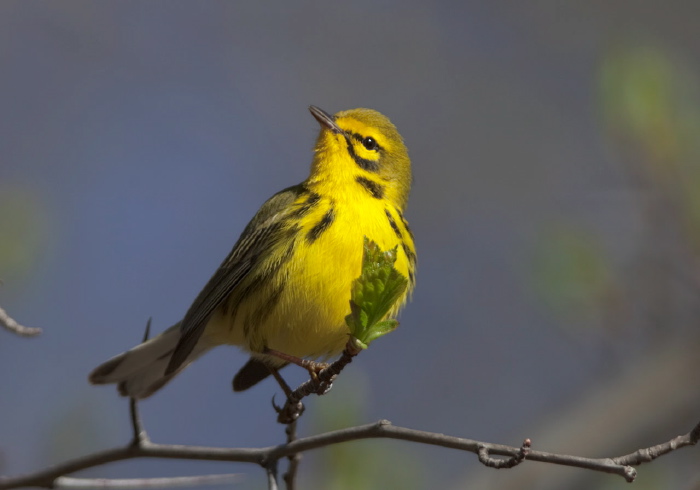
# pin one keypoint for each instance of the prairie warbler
(285, 285)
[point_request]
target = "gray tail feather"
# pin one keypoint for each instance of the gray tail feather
(140, 371)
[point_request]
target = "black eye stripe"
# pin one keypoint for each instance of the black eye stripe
(360, 138)
(363, 163)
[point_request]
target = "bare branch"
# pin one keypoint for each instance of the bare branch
(499, 463)
(320, 385)
(46, 477)
(271, 470)
(139, 433)
(68, 482)
(294, 459)
(11, 324)
(651, 453)
(267, 457)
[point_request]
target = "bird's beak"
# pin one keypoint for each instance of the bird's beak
(325, 119)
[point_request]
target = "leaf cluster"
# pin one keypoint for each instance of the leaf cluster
(374, 294)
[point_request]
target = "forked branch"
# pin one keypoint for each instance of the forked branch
(267, 457)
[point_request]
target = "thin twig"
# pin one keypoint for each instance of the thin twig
(68, 482)
(383, 429)
(9, 323)
(271, 469)
(651, 453)
(323, 382)
(139, 434)
(46, 477)
(294, 459)
(499, 463)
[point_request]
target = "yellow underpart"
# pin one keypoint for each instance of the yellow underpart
(307, 319)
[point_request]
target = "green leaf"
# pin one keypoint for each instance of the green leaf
(374, 294)
(381, 328)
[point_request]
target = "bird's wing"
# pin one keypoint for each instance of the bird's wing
(261, 234)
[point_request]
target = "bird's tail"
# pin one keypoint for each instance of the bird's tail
(140, 371)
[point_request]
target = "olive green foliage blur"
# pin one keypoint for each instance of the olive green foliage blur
(23, 225)
(649, 104)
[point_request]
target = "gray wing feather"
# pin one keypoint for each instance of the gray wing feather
(259, 236)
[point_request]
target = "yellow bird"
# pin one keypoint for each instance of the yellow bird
(285, 285)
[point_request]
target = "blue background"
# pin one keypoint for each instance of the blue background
(138, 138)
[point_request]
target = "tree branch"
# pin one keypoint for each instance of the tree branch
(7, 322)
(68, 482)
(268, 456)
(318, 385)
(271, 470)
(294, 459)
(651, 453)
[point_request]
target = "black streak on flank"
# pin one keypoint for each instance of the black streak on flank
(376, 190)
(410, 255)
(307, 206)
(321, 226)
(405, 224)
(363, 163)
(393, 224)
(412, 260)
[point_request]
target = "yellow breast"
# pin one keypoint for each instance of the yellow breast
(301, 310)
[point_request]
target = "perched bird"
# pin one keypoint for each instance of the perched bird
(283, 291)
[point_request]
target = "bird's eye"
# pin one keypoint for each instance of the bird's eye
(369, 143)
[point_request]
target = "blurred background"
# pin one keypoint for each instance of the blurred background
(556, 208)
